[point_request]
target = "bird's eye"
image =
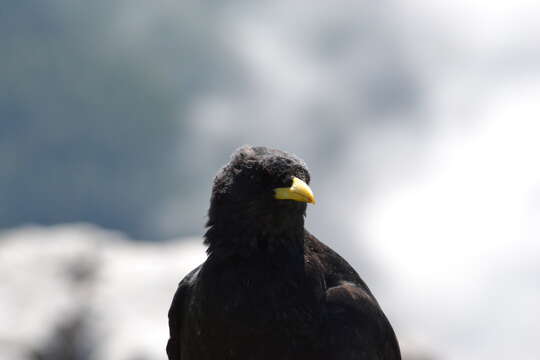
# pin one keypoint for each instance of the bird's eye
(288, 181)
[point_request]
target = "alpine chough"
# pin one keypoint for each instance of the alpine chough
(269, 289)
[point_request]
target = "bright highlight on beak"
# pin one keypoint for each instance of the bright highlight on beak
(299, 191)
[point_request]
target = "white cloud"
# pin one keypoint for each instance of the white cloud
(461, 240)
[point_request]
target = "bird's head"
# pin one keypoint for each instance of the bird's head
(261, 192)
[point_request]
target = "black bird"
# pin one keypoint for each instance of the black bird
(269, 289)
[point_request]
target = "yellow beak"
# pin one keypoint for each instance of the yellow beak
(299, 191)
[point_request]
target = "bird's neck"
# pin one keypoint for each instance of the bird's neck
(274, 236)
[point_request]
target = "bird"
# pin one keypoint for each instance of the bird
(268, 288)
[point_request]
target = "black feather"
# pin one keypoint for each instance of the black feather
(269, 289)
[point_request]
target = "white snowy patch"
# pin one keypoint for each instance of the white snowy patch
(127, 300)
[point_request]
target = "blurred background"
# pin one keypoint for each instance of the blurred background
(418, 119)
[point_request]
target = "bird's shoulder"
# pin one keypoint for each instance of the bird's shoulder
(355, 324)
(356, 327)
(179, 303)
(184, 288)
(335, 268)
